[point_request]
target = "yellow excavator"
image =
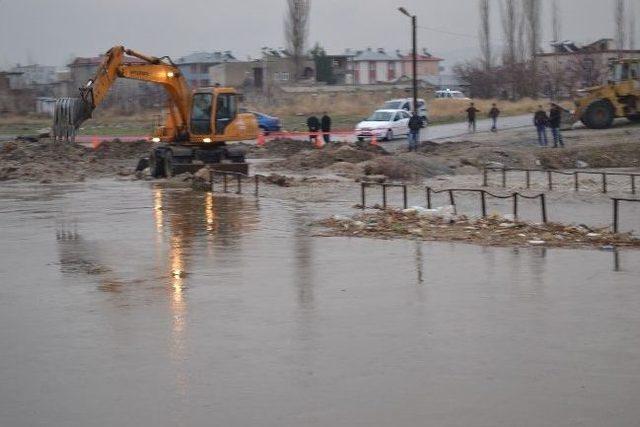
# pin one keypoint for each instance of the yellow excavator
(200, 125)
(598, 106)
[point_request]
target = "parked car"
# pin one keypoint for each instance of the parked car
(384, 124)
(268, 123)
(451, 94)
(407, 105)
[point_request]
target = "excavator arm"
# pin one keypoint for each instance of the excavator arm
(70, 113)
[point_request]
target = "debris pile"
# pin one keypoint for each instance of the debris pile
(46, 161)
(443, 225)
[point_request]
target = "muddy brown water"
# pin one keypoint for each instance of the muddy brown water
(132, 305)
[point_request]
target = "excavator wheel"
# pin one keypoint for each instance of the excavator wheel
(156, 165)
(168, 164)
(599, 115)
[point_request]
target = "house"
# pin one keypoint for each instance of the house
(14, 98)
(196, 66)
(570, 66)
(377, 66)
(34, 75)
(275, 68)
(342, 68)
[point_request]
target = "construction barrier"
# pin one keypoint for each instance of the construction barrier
(549, 177)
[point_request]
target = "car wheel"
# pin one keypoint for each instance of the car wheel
(389, 135)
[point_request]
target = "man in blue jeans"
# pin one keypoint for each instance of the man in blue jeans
(555, 120)
(540, 120)
(415, 123)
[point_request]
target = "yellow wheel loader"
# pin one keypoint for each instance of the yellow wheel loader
(598, 106)
(200, 125)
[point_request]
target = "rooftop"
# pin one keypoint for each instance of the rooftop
(207, 58)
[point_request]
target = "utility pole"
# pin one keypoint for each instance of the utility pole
(414, 64)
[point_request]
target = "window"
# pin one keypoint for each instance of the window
(204, 68)
(201, 114)
(391, 71)
(276, 76)
(284, 76)
(193, 83)
(397, 117)
(204, 82)
(226, 110)
(193, 68)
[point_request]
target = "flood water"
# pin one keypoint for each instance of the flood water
(126, 304)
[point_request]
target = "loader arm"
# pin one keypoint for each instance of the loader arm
(70, 113)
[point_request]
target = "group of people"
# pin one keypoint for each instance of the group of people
(472, 111)
(316, 125)
(553, 121)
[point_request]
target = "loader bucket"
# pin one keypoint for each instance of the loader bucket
(68, 115)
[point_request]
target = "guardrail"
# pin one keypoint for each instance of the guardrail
(549, 174)
(616, 211)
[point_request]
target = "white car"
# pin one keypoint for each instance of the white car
(407, 105)
(450, 94)
(384, 124)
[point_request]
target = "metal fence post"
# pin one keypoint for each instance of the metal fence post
(485, 179)
(604, 182)
(363, 194)
(615, 215)
(504, 178)
(515, 206)
(384, 196)
(239, 184)
(543, 207)
(550, 180)
(528, 175)
(224, 182)
(428, 197)
(405, 199)
(257, 183)
(576, 181)
(451, 198)
(633, 184)
(483, 203)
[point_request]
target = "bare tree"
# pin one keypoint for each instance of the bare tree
(509, 15)
(632, 26)
(619, 18)
(296, 28)
(555, 19)
(531, 12)
(485, 33)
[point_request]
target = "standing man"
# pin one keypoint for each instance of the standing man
(313, 124)
(325, 124)
(493, 114)
(555, 119)
(471, 116)
(540, 120)
(415, 123)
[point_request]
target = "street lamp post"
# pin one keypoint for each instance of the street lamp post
(414, 64)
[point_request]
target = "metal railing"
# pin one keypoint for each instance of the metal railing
(549, 174)
(238, 179)
(616, 211)
(451, 192)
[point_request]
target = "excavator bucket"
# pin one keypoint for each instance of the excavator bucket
(68, 115)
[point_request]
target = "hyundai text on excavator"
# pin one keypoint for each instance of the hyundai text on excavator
(200, 126)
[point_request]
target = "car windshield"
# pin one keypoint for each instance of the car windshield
(380, 116)
(393, 105)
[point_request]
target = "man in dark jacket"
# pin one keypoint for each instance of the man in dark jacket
(540, 120)
(415, 123)
(325, 124)
(493, 114)
(314, 126)
(471, 116)
(555, 120)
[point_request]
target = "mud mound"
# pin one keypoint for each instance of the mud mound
(407, 166)
(327, 156)
(613, 155)
(47, 161)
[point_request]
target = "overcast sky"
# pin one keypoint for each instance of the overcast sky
(51, 31)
